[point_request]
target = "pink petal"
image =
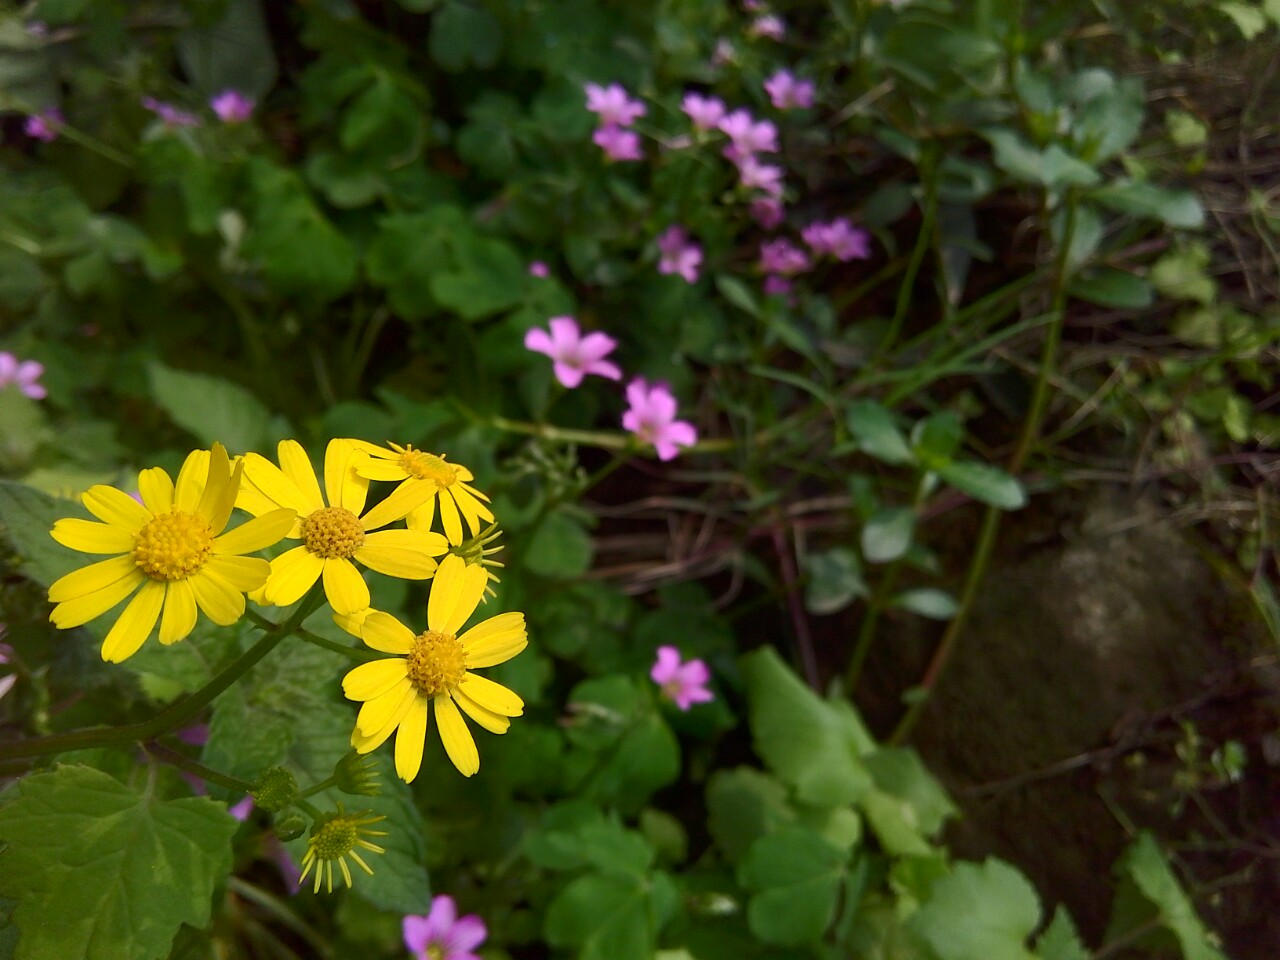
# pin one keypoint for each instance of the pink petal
(694, 674)
(539, 341)
(637, 393)
(469, 932)
(564, 335)
(681, 432)
(603, 368)
(441, 918)
(596, 346)
(667, 666)
(568, 375)
(415, 934)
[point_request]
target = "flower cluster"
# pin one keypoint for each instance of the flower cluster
(616, 111)
(23, 374)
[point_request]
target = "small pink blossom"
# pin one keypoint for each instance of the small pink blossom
(23, 375)
(776, 286)
(442, 934)
(766, 177)
(171, 116)
(783, 257)
(539, 269)
(705, 113)
(679, 254)
(612, 105)
(684, 684)
(617, 143)
(232, 106)
(652, 418)
(767, 211)
(44, 126)
(839, 239)
(788, 93)
(770, 25)
(574, 356)
(748, 137)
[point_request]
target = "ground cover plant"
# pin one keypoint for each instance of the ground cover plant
(507, 479)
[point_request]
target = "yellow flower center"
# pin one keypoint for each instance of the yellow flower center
(427, 466)
(334, 838)
(173, 546)
(436, 662)
(435, 952)
(332, 532)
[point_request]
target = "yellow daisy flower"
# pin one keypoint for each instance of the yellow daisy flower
(172, 546)
(333, 535)
(334, 837)
(447, 483)
(434, 667)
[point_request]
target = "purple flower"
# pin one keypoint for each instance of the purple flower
(748, 137)
(539, 269)
(776, 286)
(705, 113)
(171, 115)
(612, 105)
(652, 418)
(44, 125)
(783, 257)
(617, 143)
(679, 254)
(23, 375)
(242, 809)
(788, 93)
(767, 211)
(754, 175)
(232, 106)
(684, 684)
(770, 25)
(839, 239)
(574, 355)
(442, 934)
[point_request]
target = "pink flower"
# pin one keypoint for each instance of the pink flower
(684, 684)
(652, 418)
(783, 257)
(776, 286)
(754, 175)
(705, 113)
(23, 375)
(788, 93)
(747, 136)
(232, 106)
(839, 239)
(574, 355)
(767, 211)
(618, 144)
(769, 25)
(612, 105)
(442, 934)
(44, 125)
(171, 115)
(679, 254)
(539, 269)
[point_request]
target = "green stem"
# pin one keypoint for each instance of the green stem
(928, 170)
(174, 715)
(180, 760)
(322, 785)
(991, 519)
(353, 653)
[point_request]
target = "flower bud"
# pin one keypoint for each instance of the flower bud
(356, 774)
(276, 789)
(290, 827)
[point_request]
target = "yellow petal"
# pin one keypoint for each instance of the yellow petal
(269, 480)
(179, 615)
(408, 496)
(246, 574)
(471, 507)
(449, 518)
(423, 517)
(135, 623)
(345, 488)
(408, 554)
(191, 481)
(217, 476)
(256, 534)
(353, 623)
(455, 592)
(115, 507)
(493, 722)
(292, 574)
(411, 738)
(89, 579)
(251, 499)
(457, 739)
(495, 640)
(221, 602)
(90, 537)
(343, 585)
(371, 680)
(492, 696)
(385, 633)
(296, 465)
(73, 613)
(364, 742)
(376, 714)
(156, 489)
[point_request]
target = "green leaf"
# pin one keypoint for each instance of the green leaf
(736, 292)
(985, 483)
(464, 34)
(1175, 208)
(559, 547)
(1249, 20)
(796, 877)
(577, 834)
(484, 276)
(742, 805)
(233, 53)
(893, 822)
(887, 534)
(1060, 941)
(877, 434)
(899, 772)
(835, 580)
(1182, 274)
(981, 911)
(102, 872)
(213, 410)
(937, 437)
(1144, 863)
(603, 917)
(26, 517)
(814, 745)
(1109, 287)
(926, 602)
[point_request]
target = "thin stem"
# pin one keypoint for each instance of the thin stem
(924, 239)
(791, 584)
(354, 653)
(180, 760)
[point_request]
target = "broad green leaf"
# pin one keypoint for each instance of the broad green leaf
(1174, 208)
(1166, 903)
(1109, 287)
(559, 547)
(233, 53)
(742, 805)
(484, 276)
(877, 434)
(1060, 941)
(1108, 122)
(26, 517)
(814, 745)
(103, 872)
(213, 410)
(982, 911)
(926, 602)
(985, 483)
(23, 429)
(465, 34)
(894, 822)
(795, 876)
(1249, 20)
(1182, 274)
(602, 918)
(887, 534)
(835, 580)
(937, 437)
(575, 834)
(1061, 169)
(736, 292)
(900, 772)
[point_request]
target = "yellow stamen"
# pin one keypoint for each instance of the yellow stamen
(427, 466)
(436, 662)
(332, 532)
(173, 546)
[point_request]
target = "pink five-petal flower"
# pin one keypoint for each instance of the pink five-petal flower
(705, 113)
(770, 25)
(839, 239)
(538, 268)
(748, 136)
(44, 126)
(232, 106)
(23, 375)
(679, 254)
(782, 257)
(652, 418)
(612, 105)
(684, 684)
(574, 355)
(788, 93)
(617, 143)
(765, 177)
(442, 934)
